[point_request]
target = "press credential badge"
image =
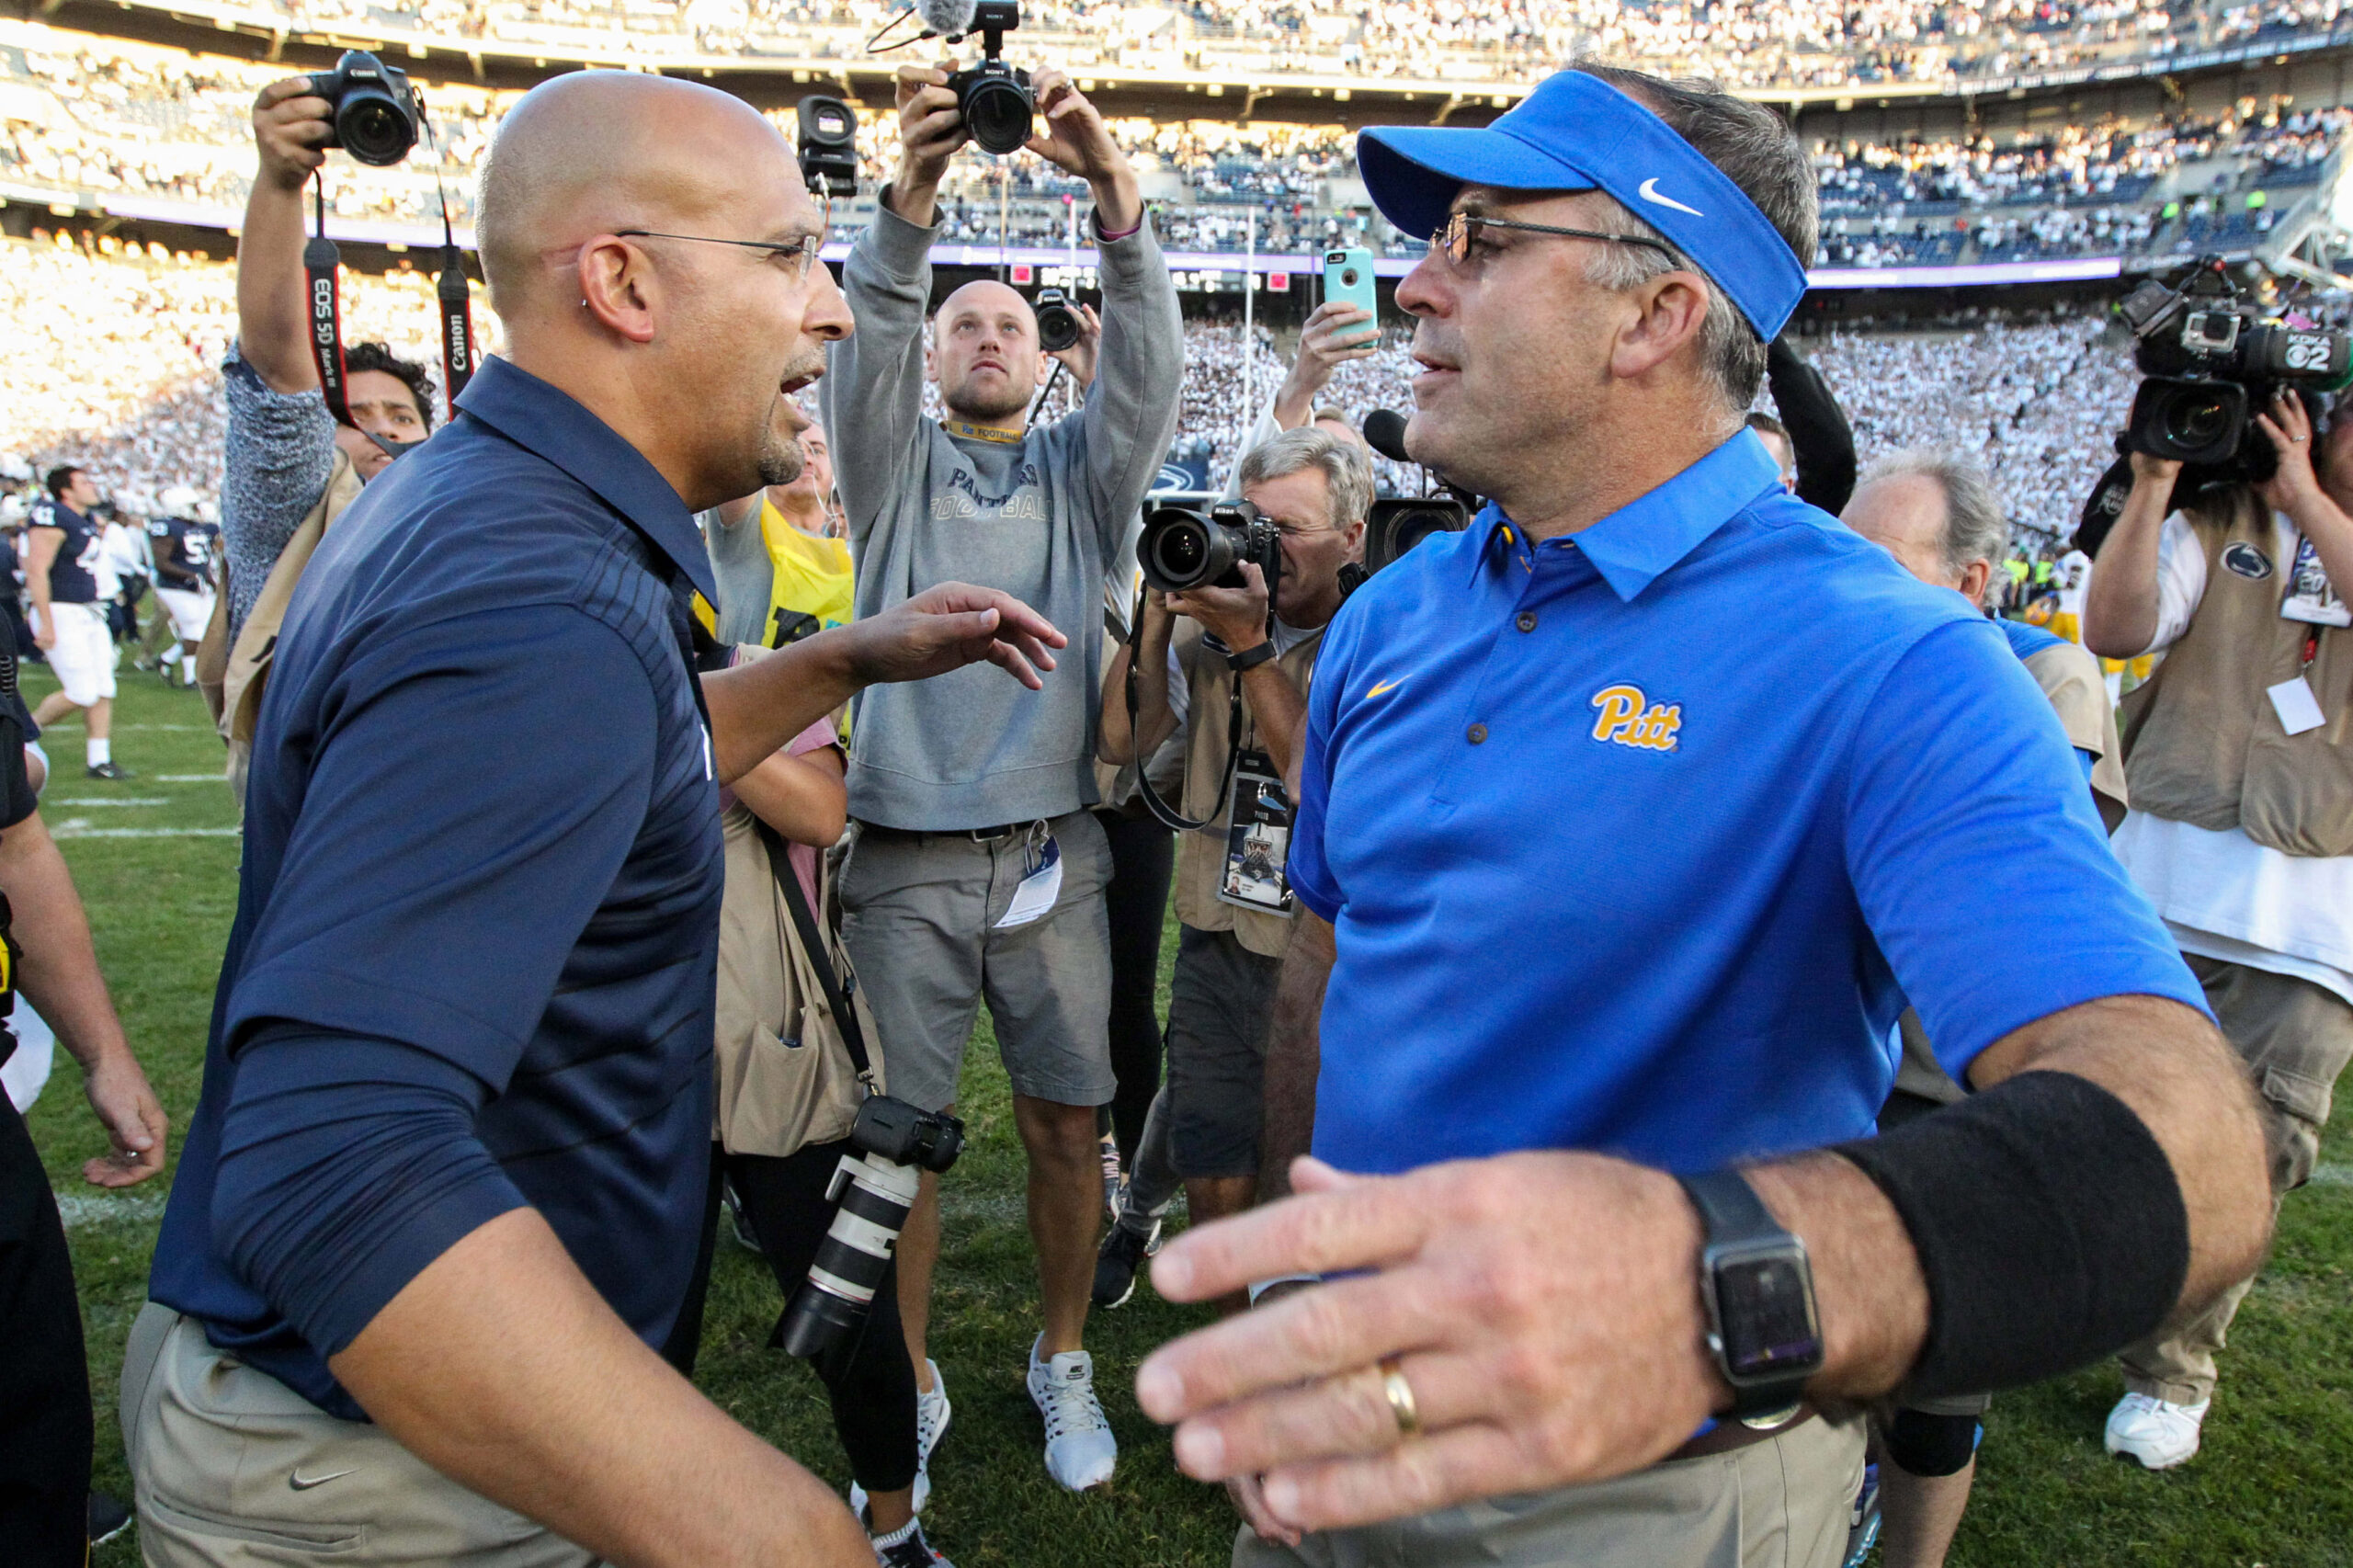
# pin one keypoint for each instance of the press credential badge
(1035, 896)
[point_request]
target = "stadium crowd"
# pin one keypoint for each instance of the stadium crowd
(509, 1044)
(1754, 43)
(106, 116)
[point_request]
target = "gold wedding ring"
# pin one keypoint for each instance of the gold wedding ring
(1400, 1394)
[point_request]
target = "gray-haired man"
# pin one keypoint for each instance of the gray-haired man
(1233, 906)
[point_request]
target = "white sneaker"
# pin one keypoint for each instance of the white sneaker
(2156, 1432)
(932, 1411)
(1080, 1450)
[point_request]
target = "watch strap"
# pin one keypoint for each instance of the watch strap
(1729, 1209)
(1251, 658)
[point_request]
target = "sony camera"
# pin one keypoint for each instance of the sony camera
(873, 1191)
(373, 108)
(994, 98)
(1057, 319)
(1182, 549)
(2212, 363)
(828, 145)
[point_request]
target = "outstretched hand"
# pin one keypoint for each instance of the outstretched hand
(1532, 1365)
(950, 626)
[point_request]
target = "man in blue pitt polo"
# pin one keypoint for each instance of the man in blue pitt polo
(1637, 810)
(438, 1204)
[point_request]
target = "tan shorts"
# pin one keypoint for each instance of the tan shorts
(1783, 1503)
(234, 1469)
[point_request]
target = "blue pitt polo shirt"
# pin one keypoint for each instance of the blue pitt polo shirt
(1634, 841)
(473, 960)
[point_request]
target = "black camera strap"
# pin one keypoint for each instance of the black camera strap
(448, 286)
(820, 956)
(1169, 816)
(323, 269)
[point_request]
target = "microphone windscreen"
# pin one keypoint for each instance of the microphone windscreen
(1385, 432)
(948, 18)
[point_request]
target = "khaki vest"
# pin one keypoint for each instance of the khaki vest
(1200, 857)
(785, 1077)
(2202, 744)
(2072, 682)
(232, 676)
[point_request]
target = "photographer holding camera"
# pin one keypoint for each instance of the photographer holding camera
(976, 870)
(2240, 830)
(1234, 916)
(290, 467)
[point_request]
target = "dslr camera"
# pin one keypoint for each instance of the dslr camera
(1057, 319)
(992, 98)
(373, 109)
(2212, 363)
(828, 145)
(872, 1191)
(1182, 549)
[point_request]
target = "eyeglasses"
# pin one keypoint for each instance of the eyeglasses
(1461, 232)
(801, 253)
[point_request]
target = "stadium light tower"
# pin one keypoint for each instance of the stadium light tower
(2317, 227)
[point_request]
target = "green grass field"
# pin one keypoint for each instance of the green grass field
(2272, 1487)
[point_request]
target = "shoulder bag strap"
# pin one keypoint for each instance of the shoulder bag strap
(820, 954)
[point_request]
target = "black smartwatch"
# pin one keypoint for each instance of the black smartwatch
(1758, 1288)
(1251, 658)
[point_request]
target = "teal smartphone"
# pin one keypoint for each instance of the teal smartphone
(1347, 280)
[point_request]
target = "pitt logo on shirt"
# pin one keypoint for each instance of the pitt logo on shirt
(1632, 719)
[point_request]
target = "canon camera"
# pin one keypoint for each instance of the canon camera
(373, 109)
(873, 1191)
(2212, 363)
(1182, 549)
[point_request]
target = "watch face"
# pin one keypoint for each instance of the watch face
(1767, 1320)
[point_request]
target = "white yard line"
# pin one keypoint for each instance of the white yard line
(70, 831)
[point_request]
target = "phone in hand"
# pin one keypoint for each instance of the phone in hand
(1347, 280)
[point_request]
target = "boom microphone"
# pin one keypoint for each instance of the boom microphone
(950, 19)
(1385, 432)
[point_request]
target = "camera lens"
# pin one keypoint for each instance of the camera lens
(1348, 277)
(373, 129)
(998, 112)
(1180, 552)
(2195, 421)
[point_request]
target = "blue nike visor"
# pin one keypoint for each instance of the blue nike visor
(1578, 132)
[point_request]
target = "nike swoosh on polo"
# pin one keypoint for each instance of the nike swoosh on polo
(301, 1483)
(1648, 191)
(1385, 685)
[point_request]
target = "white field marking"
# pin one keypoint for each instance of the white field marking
(191, 779)
(83, 830)
(112, 800)
(82, 1208)
(2333, 1175)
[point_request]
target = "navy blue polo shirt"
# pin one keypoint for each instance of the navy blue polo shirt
(1635, 840)
(473, 960)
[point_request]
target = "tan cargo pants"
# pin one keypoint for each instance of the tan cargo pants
(1782, 1503)
(234, 1469)
(2295, 1038)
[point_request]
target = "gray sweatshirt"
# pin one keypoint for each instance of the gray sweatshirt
(1038, 519)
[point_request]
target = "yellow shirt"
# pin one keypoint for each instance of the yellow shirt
(809, 577)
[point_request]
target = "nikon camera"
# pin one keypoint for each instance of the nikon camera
(2213, 363)
(1182, 549)
(374, 111)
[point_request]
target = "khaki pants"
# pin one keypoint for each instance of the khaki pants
(1782, 1503)
(2295, 1038)
(234, 1469)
